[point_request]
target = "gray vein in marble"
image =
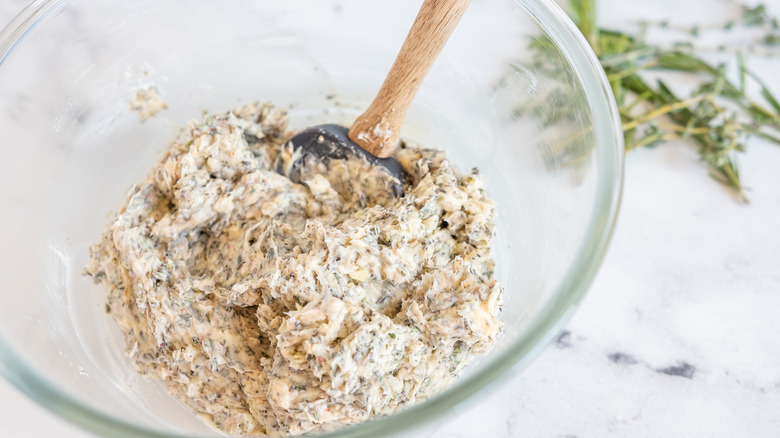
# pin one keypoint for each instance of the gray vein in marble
(682, 369)
(621, 358)
(679, 369)
(563, 340)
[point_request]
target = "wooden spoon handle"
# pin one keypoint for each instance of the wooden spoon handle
(378, 128)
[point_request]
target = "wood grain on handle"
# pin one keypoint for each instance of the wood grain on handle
(378, 128)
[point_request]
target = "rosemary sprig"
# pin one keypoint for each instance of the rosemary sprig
(718, 116)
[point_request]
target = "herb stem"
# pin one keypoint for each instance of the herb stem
(666, 109)
(649, 139)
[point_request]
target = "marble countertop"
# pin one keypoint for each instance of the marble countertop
(678, 335)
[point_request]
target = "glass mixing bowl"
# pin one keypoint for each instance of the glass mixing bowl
(516, 93)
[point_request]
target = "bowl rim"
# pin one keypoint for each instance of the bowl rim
(543, 328)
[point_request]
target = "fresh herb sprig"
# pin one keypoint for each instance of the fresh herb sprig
(718, 116)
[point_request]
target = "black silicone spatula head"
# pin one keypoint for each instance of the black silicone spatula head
(332, 142)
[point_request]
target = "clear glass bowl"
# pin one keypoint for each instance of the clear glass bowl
(542, 128)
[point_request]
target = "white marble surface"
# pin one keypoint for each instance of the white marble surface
(678, 336)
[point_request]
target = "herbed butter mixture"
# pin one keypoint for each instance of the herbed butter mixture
(282, 308)
(147, 103)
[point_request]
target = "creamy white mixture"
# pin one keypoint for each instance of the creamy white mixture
(147, 103)
(282, 308)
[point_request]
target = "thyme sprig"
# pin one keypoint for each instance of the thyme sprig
(718, 115)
